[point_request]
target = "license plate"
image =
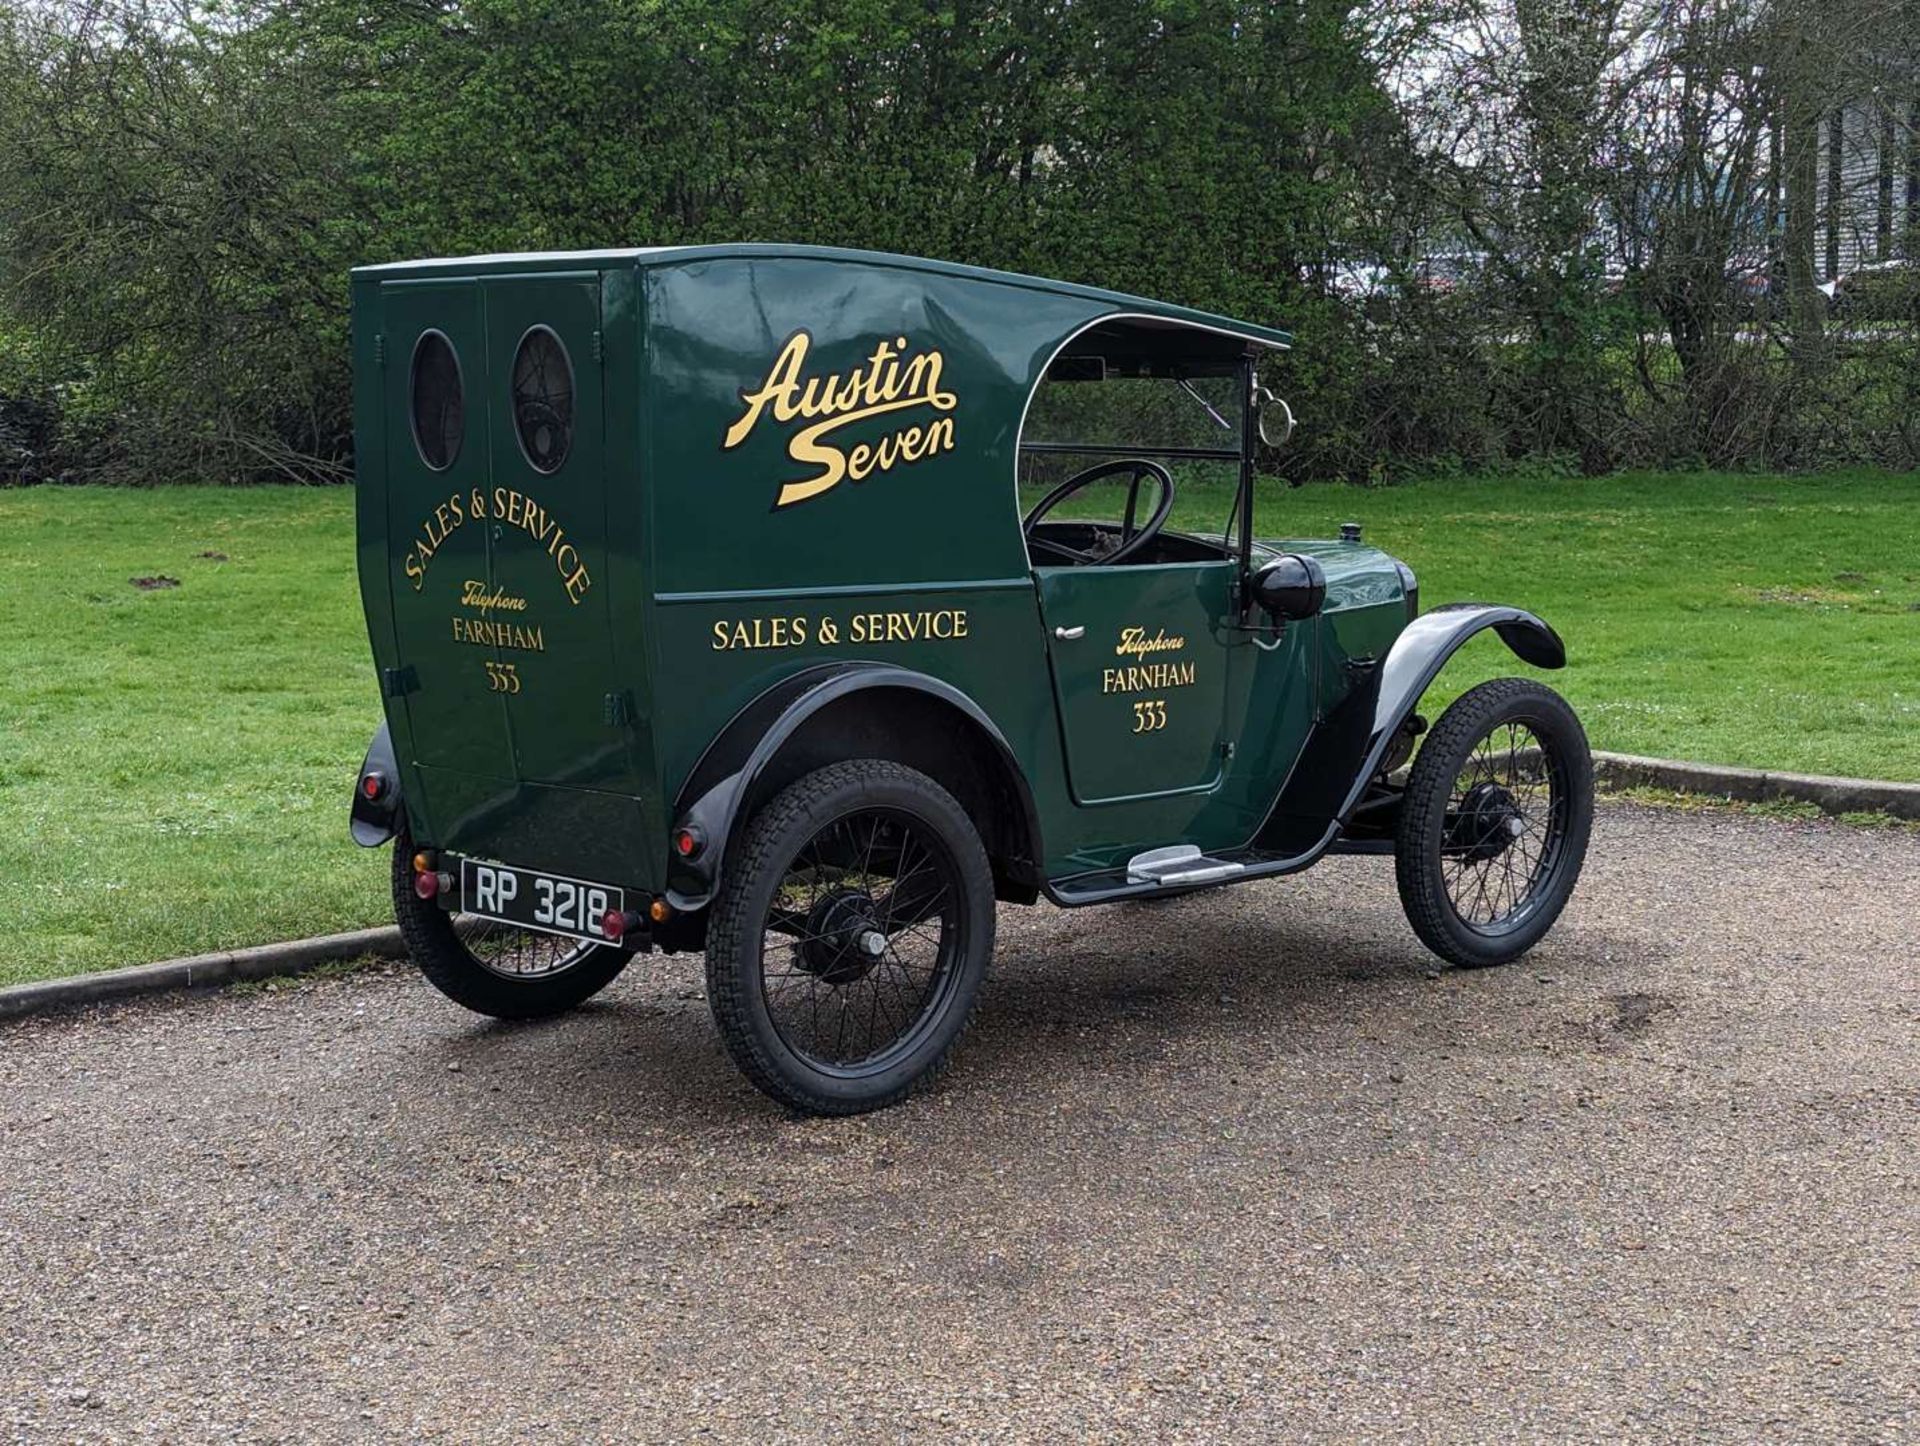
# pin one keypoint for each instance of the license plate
(551, 903)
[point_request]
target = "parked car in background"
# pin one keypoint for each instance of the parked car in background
(1360, 281)
(1750, 281)
(1879, 291)
(1365, 285)
(1444, 273)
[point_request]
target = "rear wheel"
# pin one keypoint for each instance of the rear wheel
(849, 937)
(494, 968)
(1494, 825)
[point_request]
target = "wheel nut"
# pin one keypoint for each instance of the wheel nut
(874, 943)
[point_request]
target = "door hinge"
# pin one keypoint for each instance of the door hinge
(619, 710)
(379, 348)
(398, 682)
(599, 348)
(1226, 748)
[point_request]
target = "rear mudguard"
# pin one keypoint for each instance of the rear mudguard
(1347, 748)
(374, 821)
(710, 801)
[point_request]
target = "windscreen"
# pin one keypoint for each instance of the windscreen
(1189, 425)
(1140, 413)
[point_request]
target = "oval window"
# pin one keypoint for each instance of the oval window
(543, 399)
(439, 409)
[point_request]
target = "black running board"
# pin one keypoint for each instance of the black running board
(1108, 885)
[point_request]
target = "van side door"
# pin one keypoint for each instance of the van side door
(1139, 664)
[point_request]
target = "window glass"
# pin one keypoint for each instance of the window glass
(1142, 412)
(543, 399)
(439, 408)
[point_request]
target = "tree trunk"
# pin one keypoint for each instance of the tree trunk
(1913, 178)
(1800, 120)
(1836, 179)
(1883, 198)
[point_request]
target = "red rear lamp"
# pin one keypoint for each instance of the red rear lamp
(427, 884)
(373, 785)
(616, 924)
(687, 842)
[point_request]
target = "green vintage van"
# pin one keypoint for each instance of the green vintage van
(708, 615)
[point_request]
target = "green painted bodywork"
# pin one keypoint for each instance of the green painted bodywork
(684, 548)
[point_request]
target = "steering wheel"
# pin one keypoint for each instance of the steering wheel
(1132, 539)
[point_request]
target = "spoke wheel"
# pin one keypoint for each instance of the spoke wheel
(521, 954)
(1494, 825)
(849, 938)
(1506, 820)
(494, 968)
(862, 940)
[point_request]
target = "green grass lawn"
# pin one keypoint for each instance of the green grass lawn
(1764, 621)
(174, 764)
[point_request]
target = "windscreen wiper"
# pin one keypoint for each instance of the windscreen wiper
(1194, 392)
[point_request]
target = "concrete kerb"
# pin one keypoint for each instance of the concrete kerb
(201, 971)
(1753, 785)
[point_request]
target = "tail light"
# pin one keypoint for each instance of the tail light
(373, 785)
(616, 924)
(688, 841)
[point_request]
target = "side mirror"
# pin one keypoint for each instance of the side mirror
(1275, 417)
(1291, 587)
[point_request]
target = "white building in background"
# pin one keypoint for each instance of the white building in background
(1869, 185)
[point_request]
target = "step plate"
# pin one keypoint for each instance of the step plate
(1180, 864)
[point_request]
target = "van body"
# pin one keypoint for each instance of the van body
(647, 536)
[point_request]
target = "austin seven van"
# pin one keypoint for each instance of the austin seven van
(800, 606)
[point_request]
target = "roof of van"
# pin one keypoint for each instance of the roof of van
(643, 256)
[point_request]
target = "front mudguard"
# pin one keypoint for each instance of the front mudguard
(374, 820)
(1423, 648)
(1348, 747)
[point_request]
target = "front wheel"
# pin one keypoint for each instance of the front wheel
(849, 937)
(493, 968)
(1493, 828)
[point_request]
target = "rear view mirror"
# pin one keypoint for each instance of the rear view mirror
(1078, 369)
(1276, 417)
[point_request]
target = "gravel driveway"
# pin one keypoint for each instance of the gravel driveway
(1238, 1166)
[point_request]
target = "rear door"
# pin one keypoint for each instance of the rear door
(437, 479)
(548, 529)
(497, 508)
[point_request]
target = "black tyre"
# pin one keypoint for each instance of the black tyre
(849, 937)
(494, 968)
(1494, 825)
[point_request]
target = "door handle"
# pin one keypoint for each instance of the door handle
(1069, 634)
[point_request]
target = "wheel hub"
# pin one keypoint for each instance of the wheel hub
(1488, 823)
(844, 939)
